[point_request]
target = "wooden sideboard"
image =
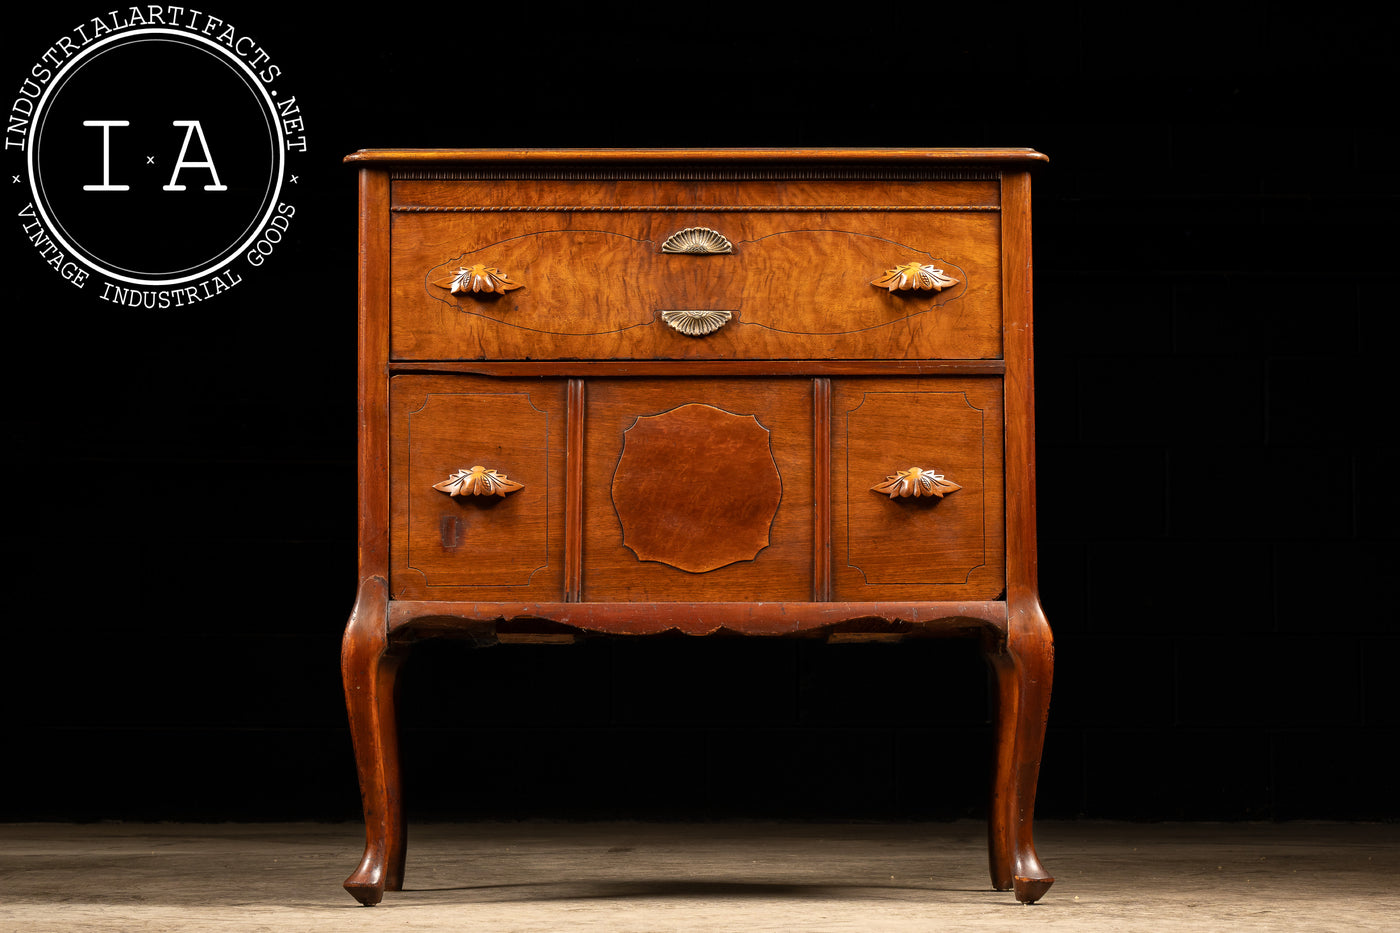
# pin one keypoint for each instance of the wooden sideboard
(773, 392)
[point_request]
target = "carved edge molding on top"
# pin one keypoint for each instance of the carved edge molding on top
(691, 208)
(704, 173)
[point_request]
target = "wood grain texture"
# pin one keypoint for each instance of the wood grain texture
(780, 571)
(369, 670)
(510, 547)
(373, 394)
(481, 621)
(948, 548)
(1022, 569)
(696, 488)
(573, 493)
(850, 383)
(619, 190)
(821, 489)
(708, 368)
(1024, 664)
(797, 285)
(823, 156)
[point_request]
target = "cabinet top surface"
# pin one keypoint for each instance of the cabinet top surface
(710, 155)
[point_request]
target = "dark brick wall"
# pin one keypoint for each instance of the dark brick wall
(1215, 325)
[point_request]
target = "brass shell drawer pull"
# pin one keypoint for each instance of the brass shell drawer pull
(698, 241)
(478, 481)
(696, 323)
(914, 277)
(915, 482)
(470, 280)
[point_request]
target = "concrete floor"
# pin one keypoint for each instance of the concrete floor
(789, 877)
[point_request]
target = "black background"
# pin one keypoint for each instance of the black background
(1216, 281)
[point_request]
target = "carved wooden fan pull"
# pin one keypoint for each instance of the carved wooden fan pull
(476, 279)
(915, 482)
(915, 276)
(478, 481)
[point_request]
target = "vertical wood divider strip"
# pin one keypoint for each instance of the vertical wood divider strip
(821, 490)
(573, 495)
(373, 452)
(1021, 571)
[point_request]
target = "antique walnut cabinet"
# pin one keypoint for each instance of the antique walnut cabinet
(624, 392)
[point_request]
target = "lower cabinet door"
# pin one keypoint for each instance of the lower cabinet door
(477, 488)
(698, 490)
(917, 489)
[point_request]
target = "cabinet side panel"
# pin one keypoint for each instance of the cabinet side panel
(373, 399)
(1020, 387)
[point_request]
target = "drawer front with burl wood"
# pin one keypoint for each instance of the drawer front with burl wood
(690, 271)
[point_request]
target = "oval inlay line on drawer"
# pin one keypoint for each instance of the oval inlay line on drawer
(809, 282)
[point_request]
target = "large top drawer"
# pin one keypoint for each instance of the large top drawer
(728, 262)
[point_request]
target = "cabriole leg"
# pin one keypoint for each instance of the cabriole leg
(369, 671)
(1024, 668)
